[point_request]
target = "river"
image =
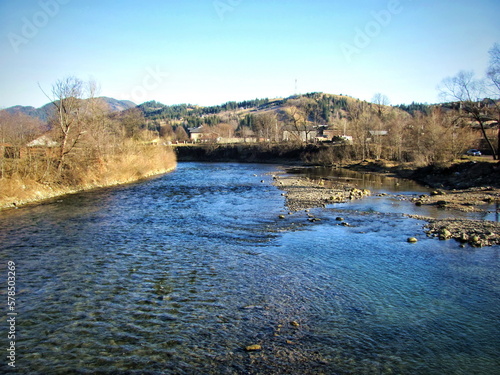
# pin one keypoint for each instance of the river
(179, 274)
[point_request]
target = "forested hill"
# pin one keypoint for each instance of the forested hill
(192, 116)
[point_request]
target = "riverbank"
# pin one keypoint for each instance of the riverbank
(33, 192)
(461, 174)
(266, 153)
(16, 192)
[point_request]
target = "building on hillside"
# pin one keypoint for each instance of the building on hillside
(202, 135)
(375, 135)
(306, 134)
(234, 140)
(378, 133)
(43, 146)
(196, 134)
(43, 141)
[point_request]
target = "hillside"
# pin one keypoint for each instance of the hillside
(327, 107)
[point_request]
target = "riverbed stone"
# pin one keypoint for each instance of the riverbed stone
(444, 234)
(441, 204)
(412, 239)
(476, 241)
(437, 192)
(253, 348)
(463, 237)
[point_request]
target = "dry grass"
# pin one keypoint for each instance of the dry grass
(131, 163)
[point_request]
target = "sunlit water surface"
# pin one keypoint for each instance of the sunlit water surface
(177, 275)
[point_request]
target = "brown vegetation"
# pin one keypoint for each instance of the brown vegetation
(86, 147)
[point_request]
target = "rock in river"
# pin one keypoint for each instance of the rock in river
(253, 348)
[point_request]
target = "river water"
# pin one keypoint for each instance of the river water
(179, 274)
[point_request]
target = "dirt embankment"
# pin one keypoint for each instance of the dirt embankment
(460, 175)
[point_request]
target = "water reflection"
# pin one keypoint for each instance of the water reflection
(376, 182)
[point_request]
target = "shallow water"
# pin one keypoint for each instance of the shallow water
(397, 194)
(177, 275)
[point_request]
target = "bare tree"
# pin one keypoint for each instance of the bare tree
(17, 129)
(68, 96)
(224, 130)
(470, 92)
(266, 125)
(380, 101)
(494, 69)
(132, 121)
(181, 134)
(493, 75)
(298, 112)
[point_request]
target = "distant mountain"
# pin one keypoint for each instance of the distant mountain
(44, 112)
(116, 105)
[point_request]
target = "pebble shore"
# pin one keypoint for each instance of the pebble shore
(303, 193)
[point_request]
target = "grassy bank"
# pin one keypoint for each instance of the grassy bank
(131, 164)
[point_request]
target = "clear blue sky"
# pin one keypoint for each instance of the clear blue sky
(208, 52)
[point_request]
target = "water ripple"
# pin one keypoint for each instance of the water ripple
(179, 274)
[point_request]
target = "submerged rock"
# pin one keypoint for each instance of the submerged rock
(412, 239)
(253, 348)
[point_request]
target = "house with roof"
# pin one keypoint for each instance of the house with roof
(202, 134)
(41, 146)
(196, 134)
